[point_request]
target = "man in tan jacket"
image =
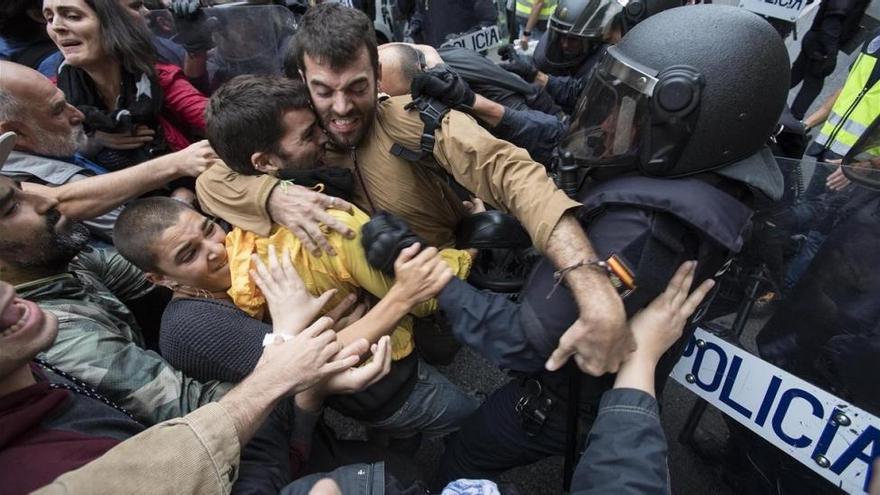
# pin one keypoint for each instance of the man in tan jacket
(340, 67)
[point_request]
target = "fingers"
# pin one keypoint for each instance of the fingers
(335, 203)
(676, 283)
(342, 307)
(337, 225)
(300, 233)
(313, 230)
(693, 301)
(684, 289)
(339, 365)
(405, 256)
(324, 298)
(560, 355)
(320, 326)
(357, 348)
(356, 314)
(291, 276)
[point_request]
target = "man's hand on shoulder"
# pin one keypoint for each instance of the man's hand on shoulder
(303, 210)
(194, 159)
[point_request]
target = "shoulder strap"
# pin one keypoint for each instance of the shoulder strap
(431, 113)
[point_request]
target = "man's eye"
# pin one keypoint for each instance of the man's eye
(188, 257)
(12, 209)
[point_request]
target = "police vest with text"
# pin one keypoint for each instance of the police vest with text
(857, 107)
(524, 9)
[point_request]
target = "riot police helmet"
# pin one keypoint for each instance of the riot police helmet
(688, 90)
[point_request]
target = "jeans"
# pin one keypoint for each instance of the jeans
(435, 407)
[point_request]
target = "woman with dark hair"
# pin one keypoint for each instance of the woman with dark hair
(135, 108)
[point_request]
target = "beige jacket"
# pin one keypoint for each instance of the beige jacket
(494, 170)
(198, 453)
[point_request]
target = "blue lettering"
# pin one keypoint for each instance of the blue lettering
(728, 385)
(784, 404)
(827, 435)
(769, 397)
(719, 372)
(856, 450)
(689, 348)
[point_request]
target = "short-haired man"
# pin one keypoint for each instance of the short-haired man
(341, 68)
(50, 133)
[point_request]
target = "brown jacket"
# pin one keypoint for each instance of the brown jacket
(495, 171)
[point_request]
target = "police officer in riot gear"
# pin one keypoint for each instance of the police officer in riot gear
(666, 152)
(578, 32)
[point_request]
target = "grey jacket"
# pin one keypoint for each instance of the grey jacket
(626, 449)
(53, 172)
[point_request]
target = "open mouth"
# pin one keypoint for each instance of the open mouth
(344, 125)
(19, 317)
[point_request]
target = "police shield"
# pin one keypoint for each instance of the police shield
(791, 347)
(240, 39)
(488, 35)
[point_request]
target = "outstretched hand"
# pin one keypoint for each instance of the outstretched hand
(303, 211)
(660, 324)
(291, 305)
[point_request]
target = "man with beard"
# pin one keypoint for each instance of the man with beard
(43, 253)
(372, 138)
(50, 133)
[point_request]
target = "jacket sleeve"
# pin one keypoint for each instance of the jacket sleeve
(627, 423)
(491, 324)
(181, 99)
(502, 175)
(126, 281)
(537, 132)
(137, 379)
(198, 453)
(239, 199)
(565, 91)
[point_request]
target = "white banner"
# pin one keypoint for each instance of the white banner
(833, 438)
(485, 38)
(788, 10)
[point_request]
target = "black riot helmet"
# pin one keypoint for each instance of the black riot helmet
(577, 25)
(670, 108)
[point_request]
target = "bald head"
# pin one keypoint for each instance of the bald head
(36, 110)
(401, 62)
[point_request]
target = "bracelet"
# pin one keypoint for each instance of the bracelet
(621, 277)
(269, 338)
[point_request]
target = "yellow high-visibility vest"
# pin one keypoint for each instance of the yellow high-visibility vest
(857, 107)
(524, 9)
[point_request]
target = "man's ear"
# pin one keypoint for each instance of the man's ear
(265, 163)
(302, 75)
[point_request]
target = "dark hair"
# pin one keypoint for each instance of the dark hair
(245, 115)
(333, 33)
(15, 23)
(140, 224)
(125, 38)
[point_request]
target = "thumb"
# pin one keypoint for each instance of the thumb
(558, 358)
(407, 254)
(324, 298)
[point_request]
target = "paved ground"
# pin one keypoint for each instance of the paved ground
(690, 474)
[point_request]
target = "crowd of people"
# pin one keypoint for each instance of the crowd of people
(205, 240)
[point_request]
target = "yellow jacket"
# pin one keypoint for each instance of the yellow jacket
(347, 272)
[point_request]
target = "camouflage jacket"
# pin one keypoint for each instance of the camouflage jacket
(100, 342)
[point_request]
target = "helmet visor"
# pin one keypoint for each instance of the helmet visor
(594, 21)
(862, 163)
(564, 50)
(611, 119)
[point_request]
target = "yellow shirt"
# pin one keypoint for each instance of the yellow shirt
(347, 272)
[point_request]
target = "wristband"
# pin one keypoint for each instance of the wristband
(269, 338)
(527, 33)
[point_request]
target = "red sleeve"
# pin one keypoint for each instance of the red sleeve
(183, 103)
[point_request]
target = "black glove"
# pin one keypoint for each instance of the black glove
(383, 238)
(445, 85)
(194, 29)
(518, 64)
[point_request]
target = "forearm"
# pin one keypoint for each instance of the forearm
(637, 372)
(249, 404)
(821, 114)
(487, 111)
(534, 15)
(100, 194)
(195, 65)
(567, 245)
(379, 321)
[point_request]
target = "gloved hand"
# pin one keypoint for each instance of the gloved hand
(518, 64)
(445, 85)
(383, 238)
(194, 29)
